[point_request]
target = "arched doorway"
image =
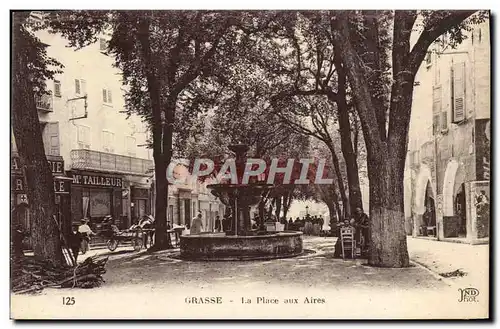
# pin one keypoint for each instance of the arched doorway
(428, 227)
(460, 210)
(425, 203)
(454, 201)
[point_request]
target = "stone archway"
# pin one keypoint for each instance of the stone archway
(424, 177)
(449, 187)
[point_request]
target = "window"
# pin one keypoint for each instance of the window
(80, 87)
(436, 109)
(444, 121)
(103, 45)
(57, 88)
(83, 137)
(458, 92)
(435, 124)
(106, 96)
(108, 141)
(130, 145)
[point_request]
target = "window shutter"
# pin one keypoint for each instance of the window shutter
(458, 90)
(45, 137)
(109, 96)
(77, 86)
(57, 88)
(436, 109)
(104, 96)
(53, 131)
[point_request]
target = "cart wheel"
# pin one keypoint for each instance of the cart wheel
(137, 243)
(112, 244)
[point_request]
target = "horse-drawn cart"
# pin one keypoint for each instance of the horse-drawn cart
(135, 236)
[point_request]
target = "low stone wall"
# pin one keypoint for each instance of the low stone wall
(217, 246)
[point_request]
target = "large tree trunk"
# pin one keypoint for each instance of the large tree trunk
(37, 173)
(278, 202)
(162, 238)
(355, 198)
(388, 246)
(340, 180)
(287, 201)
(332, 213)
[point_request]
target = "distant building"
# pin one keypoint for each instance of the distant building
(448, 164)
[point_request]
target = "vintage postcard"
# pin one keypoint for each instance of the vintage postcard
(242, 164)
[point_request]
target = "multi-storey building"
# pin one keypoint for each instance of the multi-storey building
(448, 164)
(98, 154)
(91, 139)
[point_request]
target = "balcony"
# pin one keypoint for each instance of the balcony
(44, 103)
(94, 160)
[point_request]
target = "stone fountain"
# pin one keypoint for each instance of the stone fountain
(241, 242)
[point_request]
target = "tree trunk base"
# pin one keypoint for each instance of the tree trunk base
(388, 247)
(166, 246)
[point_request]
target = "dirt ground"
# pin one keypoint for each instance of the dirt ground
(159, 285)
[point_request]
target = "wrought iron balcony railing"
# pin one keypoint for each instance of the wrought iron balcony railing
(94, 160)
(44, 103)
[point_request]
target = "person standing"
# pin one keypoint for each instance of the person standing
(196, 225)
(85, 232)
(362, 225)
(217, 224)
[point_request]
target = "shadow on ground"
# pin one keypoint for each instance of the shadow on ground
(314, 268)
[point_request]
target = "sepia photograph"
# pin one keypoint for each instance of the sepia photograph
(250, 164)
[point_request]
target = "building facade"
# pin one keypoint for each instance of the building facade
(186, 201)
(90, 140)
(98, 154)
(448, 163)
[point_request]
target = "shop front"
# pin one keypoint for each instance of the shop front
(140, 205)
(20, 203)
(96, 195)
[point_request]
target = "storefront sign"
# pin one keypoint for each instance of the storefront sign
(96, 180)
(483, 149)
(61, 186)
(56, 166)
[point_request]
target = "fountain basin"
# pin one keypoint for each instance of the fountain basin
(218, 246)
